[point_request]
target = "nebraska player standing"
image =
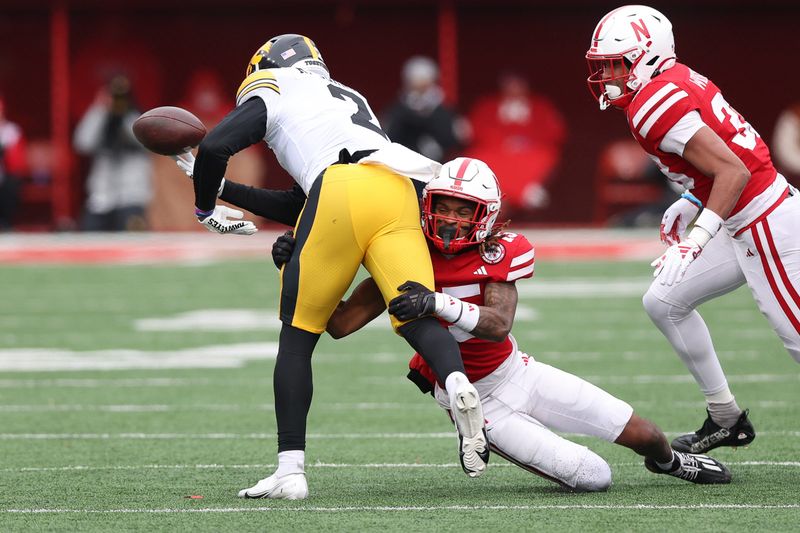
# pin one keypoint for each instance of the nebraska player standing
(699, 141)
(476, 266)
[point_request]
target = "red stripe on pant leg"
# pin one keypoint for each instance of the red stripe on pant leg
(779, 264)
(771, 280)
(529, 468)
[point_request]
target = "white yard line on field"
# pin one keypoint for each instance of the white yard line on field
(426, 508)
(270, 436)
(163, 408)
(643, 379)
(217, 356)
(388, 466)
(91, 383)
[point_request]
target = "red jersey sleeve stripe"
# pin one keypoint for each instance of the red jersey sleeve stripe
(660, 110)
(651, 102)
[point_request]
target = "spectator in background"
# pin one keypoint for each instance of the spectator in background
(786, 143)
(204, 96)
(12, 167)
(118, 185)
(420, 120)
(520, 135)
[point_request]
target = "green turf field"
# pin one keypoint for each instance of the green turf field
(156, 401)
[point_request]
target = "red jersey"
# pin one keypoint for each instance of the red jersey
(660, 104)
(465, 276)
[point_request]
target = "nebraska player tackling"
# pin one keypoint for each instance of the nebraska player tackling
(476, 266)
(746, 230)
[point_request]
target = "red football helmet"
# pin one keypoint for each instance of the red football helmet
(466, 179)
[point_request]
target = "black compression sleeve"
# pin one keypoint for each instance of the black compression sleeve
(242, 127)
(280, 206)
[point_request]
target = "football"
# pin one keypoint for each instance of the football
(169, 130)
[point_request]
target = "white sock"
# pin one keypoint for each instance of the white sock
(725, 413)
(291, 462)
(453, 381)
(668, 465)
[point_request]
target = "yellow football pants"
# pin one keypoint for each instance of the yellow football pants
(355, 214)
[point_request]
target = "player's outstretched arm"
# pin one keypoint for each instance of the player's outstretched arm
(276, 205)
(242, 127)
(364, 305)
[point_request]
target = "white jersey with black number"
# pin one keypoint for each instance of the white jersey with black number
(310, 119)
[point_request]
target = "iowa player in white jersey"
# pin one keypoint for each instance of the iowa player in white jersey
(361, 209)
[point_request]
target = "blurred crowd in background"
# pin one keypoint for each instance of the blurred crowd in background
(515, 127)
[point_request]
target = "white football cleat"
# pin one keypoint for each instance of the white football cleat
(286, 487)
(473, 450)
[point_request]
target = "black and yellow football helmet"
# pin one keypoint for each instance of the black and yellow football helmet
(285, 51)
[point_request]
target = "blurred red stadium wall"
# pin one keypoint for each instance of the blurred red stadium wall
(748, 49)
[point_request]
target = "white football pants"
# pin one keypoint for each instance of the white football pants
(766, 257)
(525, 401)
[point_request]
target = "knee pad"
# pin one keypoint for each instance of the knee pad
(594, 474)
(657, 309)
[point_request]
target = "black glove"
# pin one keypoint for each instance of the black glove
(416, 301)
(282, 249)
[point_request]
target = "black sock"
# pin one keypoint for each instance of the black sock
(435, 344)
(293, 385)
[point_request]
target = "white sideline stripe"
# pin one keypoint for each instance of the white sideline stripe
(652, 101)
(270, 436)
(412, 466)
(427, 508)
(645, 129)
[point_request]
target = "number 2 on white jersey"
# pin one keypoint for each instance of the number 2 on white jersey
(746, 136)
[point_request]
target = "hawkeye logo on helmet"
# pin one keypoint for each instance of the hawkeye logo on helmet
(288, 53)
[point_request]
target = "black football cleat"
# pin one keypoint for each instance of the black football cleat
(700, 469)
(712, 436)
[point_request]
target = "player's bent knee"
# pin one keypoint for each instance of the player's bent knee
(594, 475)
(654, 307)
(794, 350)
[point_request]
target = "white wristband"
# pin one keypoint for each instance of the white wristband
(463, 315)
(707, 224)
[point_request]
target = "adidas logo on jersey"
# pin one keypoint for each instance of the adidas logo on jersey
(750, 253)
(481, 271)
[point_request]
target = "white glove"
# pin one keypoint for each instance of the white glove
(217, 221)
(675, 220)
(671, 267)
(185, 162)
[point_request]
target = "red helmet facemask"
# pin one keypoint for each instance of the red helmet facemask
(605, 71)
(449, 241)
